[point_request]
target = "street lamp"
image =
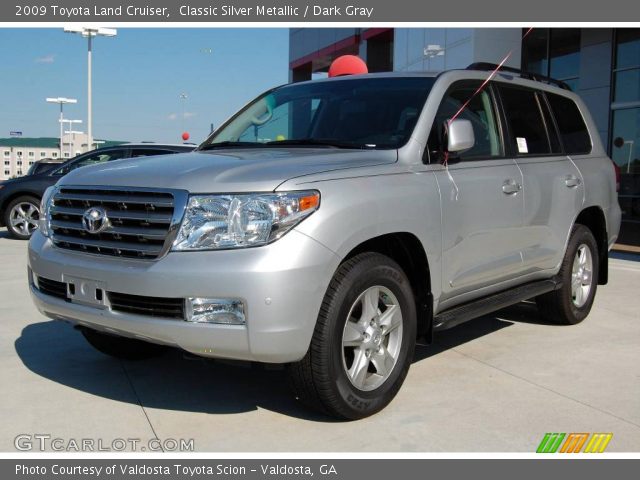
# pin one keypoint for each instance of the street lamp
(183, 97)
(70, 122)
(89, 33)
(61, 101)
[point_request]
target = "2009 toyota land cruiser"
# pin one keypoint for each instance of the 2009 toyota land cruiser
(329, 223)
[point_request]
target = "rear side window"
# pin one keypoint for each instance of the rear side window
(527, 126)
(573, 131)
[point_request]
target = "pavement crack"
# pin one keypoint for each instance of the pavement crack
(541, 386)
(144, 410)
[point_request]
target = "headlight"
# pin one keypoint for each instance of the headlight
(44, 223)
(237, 221)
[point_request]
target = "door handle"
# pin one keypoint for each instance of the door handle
(511, 187)
(572, 181)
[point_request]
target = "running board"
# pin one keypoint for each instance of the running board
(477, 308)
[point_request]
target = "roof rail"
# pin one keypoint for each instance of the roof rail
(486, 67)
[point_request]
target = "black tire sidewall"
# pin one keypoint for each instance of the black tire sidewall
(581, 235)
(7, 214)
(358, 403)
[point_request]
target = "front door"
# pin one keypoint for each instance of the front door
(481, 197)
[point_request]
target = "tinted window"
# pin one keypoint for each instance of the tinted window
(479, 111)
(573, 131)
(91, 159)
(526, 123)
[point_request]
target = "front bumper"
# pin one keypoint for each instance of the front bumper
(282, 286)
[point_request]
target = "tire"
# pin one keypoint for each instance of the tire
(121, 347)
(21, 216)
(327, 378)
(570, 304)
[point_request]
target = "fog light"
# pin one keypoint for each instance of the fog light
(215, 310)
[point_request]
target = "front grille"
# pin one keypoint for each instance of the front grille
(53, 288)
(141, 222)
(148, 306)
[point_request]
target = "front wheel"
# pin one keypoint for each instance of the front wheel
(363, 342)
(21, 217)
(572, 302)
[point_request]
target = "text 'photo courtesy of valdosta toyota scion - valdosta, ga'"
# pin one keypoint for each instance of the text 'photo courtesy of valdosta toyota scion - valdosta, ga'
(179, 470)
(350, 11)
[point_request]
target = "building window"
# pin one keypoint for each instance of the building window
(19, 162)
(7, 153)
(31, 154)
(66, 154)
(54, 154)
(627, 66)
(7, 172)
(553, 52)
(31, 163)
(7, 163)
(43, 154)
(625, 130)
(19, 153)
(19, 172)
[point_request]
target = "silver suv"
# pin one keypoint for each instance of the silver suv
(330, 223)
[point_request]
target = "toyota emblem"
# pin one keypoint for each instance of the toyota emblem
(95, 220)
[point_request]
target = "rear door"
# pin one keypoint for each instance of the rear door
(553, 187)
(482, 201)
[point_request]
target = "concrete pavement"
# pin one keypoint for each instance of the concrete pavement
(494, 384)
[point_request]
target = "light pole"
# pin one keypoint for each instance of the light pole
(183, 97)
(70, 122)
(61, 101)
(89, 33)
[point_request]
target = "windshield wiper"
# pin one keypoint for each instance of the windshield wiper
(314, 142)
(230, 144)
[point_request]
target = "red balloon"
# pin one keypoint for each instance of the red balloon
(185, 136)
(347, 65)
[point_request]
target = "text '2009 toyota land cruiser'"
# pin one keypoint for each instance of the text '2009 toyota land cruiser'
(329, 223)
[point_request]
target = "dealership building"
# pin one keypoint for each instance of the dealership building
(601, 64)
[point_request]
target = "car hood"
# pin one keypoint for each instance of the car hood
(226, 170)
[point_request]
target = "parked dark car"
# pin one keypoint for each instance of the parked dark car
(20, 197)
(44, 165)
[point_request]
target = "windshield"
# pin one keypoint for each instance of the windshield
(355, 113)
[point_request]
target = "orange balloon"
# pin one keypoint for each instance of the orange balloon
(347, 65)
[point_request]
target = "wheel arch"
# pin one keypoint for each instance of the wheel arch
(406, 249)
(593, 218)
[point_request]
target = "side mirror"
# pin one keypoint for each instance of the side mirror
(460, 135)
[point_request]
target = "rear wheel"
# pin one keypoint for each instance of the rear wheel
(21, 217)
(571, 303)
(363, 342)
(121, 347)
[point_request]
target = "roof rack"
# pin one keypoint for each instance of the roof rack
(486, 67)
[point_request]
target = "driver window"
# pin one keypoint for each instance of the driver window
(479, 111)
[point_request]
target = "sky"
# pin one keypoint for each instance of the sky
(138, 77)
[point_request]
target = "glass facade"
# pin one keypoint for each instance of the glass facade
(626, 129)
(554, 53)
